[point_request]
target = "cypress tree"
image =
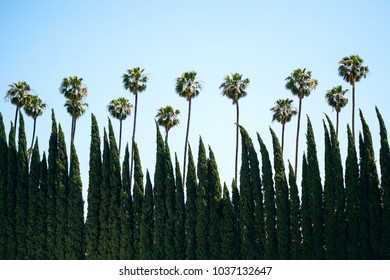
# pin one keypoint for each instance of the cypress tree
(12, 182)
(104, 216)
(160, 214)
(127, 244)
(191, 208)
(339, 191)
(215, 211)
(283, 221)
(52, 190)
(169, 236)
(180, 214)
(247, 218)
(384, 159)
(295, 216)
(75, 229)
(352, 198)
(115, 185)
(138, 196)
(316, 196)
(307, 229)
(33, 215)
(270, 245)
(62, 192)
(146, 226)
(21, 192)
(3, 189)
(369, 171)
(92, 226)
(228, 233)
(42, 210)
(202, 211)
(236, 220)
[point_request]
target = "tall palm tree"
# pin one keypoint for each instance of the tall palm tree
(188, 87)
(167, 117)
(74, 91)
(352, 71)
(336, 99)
(34, 109)
(18, 95)
(120, 108)
(134, 80)
(234, 87)
(300, 84)
(283, 112)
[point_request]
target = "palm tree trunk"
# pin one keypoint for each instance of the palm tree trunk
(297, 141)
(120, 136)
(16, 116)
(283, 125)
(133, 137)
(186, 141)
(32, 140)
(337, 124)
(166, 136)
(353, 111)
(237, 126)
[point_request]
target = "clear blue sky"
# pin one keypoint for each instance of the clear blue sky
(44, 41)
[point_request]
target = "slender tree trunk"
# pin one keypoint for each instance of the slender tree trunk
(337, 123)
(186, 142)
(133, 138)
(166, 136)
(297, 141)
(237, 126)
(16, 116)
(72, 132)
(353, 111)
(120, 136)
(283, 125)
(32, 140)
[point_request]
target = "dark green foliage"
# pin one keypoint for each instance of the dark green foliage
(42, 210)
(52, 190)
(236, 221)
(138, 196)
(3, 190)
(370, 183)
(352, 199)
(146, 226)
(384, 159)
(92, 226)
(62, 192)
(283, 221)
(270, 245)
(316, 196)
(191, 208)
(295, 216)
(127, 244)
(202, 211)
(34, 219)
(228, 233)
(215, 208)
(75, 230)
(105, 235)
(307, 229)
(179, 214)
(115, 187)
(21, 192)
(160, 212)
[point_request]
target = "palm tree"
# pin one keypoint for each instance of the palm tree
(336, 99)
(352, 71)
(134, 80)
(167, 118)
(187, 86)
(120, 108)
(18, 95)
(234, 87)
(300, 84)
(74, 91)
(283, 112)
(34, 109)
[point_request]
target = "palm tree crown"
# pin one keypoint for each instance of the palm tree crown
(187, 86)
(18, 95)
(336, 99)
(34, 109)
(234, 87)
(168, 118)
(351, 69)
(135, 80)
(300, 83)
